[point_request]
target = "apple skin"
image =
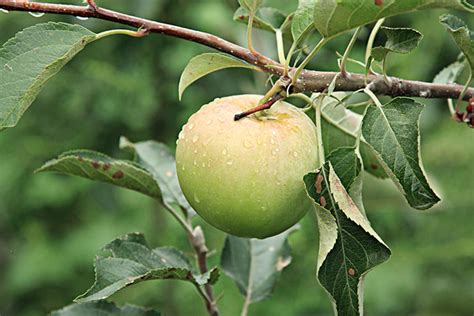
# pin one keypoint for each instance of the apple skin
(246, 177)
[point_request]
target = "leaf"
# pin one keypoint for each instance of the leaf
(268, 19)
(256, 264)
(450, 73)
(339, 129)
(399, 40)
(393, 132)
(332, 17)
(103, 308)
(159, 161)
(302, 20)
(30, 59)
(250, 5)
(347, 166)
(463, 37)
(206, 63)
(99, 167)
(348, 246)
(133, 261)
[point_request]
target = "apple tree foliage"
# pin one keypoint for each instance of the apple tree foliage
(381, 139)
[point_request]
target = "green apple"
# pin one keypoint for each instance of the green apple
(246, 177)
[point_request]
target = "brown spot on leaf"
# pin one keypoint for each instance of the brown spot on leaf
(282, 263)
(351, 271)
(80, 158)
(322, 201)
(374, 166)
(96, 164)
(106, 166)
(118, 175)
(378, 2)
(319, 180)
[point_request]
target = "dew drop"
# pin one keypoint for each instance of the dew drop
(295, 154)
(204, 154)
(247, 144)
(277, 149)
(278, 183)
(181, 135)
(195, 139)
(183, 168)
(224, 152)
(221, 119)
(36, 14)
(273, 152)
(196, 199)
(177, 141)
(191, 126)
(195, 162)
(203, 164)
(274, 133)
(272, 141)
(195, 151)
(230, 162)
(4, 11)
(82, 18)
(208, 122)
(263, 208)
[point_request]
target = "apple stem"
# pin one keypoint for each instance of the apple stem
(259, 108)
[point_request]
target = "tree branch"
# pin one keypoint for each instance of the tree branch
(309, 81)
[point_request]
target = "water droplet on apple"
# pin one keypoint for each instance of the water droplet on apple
(204, 165)
(273, 152)
(224, 152)
(195, 139)
(196, 198)
(208, 122)
(190, 126)
(195, 162)
(36, 14)
(295, 154)
(181, 135)
(230, 162)
(195, 151)
(272, 141)
(247, 144)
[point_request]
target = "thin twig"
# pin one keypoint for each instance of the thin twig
(310, 81)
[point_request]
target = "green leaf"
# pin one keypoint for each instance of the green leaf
(340, 127)
(103, 308)
(450, 73)
(159, 161)
(393, 132)
(250, 5)
(133, 261)
(399, 40)
(204, 64)
(463, 37)
(332, 17)
(302, 20)
(268, 19)
(30, 59)
(99, 167)
(348, 166)
(256, 264)
(348, 246)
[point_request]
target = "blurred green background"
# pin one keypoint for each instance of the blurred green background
(52, 226)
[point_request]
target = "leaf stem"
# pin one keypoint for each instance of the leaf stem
(250, 29)
(280, 47)
(370, 41)
(139, 33)
(461, 95)
(319, 132)
(342, 66)
(308, 58)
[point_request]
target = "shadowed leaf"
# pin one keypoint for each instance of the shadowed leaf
(103, 308)
(393, 132)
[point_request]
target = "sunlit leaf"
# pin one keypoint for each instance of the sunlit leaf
(103, 308)
(133, 261)
(348, 246)
(30, 59)
(450, 73)
(393, 132)
(207, 63)
(332, 17)
(302, 20)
